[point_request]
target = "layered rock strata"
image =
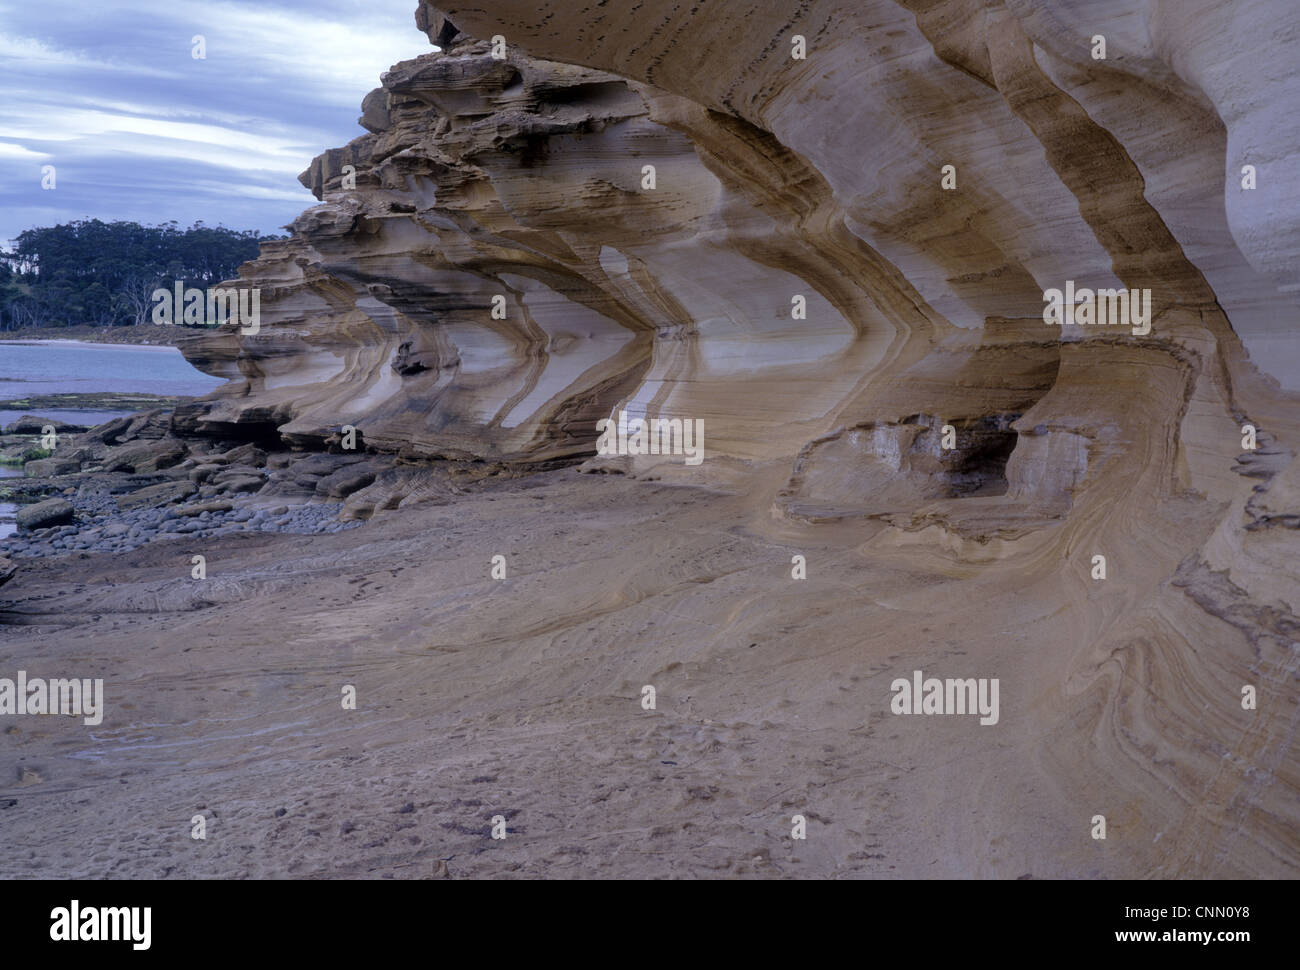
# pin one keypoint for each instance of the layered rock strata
(493, 269)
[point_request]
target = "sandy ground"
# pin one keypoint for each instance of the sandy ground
(521, 698)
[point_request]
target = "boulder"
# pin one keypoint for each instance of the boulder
(201, 473)
(241, 483)
(248, 454)
(42, 515)
(145, 456)
(110, 432)
(34, 424)
(218, 505)
(155, 495)
(153, 424)
(90, 451)
(49, 467)
(236, 471)
(345, 481)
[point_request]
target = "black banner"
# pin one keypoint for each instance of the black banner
(330, 920)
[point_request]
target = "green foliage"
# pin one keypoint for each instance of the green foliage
(104, 273)
(36, 454)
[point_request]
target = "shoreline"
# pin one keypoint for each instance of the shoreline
(98, 344)
(29, 389)
(94, 401)
(130, 482)
(139, 335)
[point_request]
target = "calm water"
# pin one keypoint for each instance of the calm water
(65, 367)
(70, 367)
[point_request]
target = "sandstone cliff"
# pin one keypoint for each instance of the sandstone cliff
(819, 183)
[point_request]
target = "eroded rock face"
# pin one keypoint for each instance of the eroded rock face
(800, 279)
(489, 276)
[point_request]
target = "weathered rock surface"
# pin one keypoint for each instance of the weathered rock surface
(346, 480)
(47, 467)
(40, 515)
(161, 494)
(501, 276)
(145, 456)
(30, 424)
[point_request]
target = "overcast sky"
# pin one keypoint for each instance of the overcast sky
(109, 93)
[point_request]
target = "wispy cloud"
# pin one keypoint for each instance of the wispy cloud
(8, 151)
(137, 128)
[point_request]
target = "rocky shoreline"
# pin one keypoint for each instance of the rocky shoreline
(149, 477)
(92, 401)
(101, 527)
(131, 481)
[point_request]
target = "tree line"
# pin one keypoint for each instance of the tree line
(104, 273)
